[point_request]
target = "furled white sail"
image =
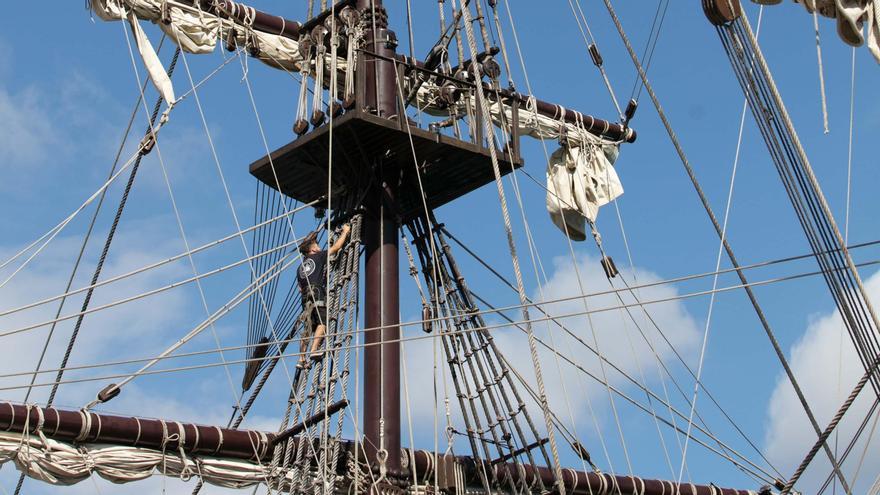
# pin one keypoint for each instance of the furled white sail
(197, 31)
(854, 17)
(59, 463)
(580, 179)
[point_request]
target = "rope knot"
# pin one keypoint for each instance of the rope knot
(87, 458)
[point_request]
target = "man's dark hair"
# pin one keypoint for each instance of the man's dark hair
(307, 242)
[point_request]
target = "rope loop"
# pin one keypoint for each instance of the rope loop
(85, 425)
(25, 434)
(92, 404)
(382, 457)
(41, 420)
(219, 440)
(138, 437)
(87, 459)
(164, 13)
(12, 416)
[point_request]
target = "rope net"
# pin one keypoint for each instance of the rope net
(497, 424)
(312, 458)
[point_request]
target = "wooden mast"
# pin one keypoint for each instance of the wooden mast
(381, 422)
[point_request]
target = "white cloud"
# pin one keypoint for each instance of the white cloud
(824, 353)
(40, 126)
(127, 331)
(26, 128)
(135, 329)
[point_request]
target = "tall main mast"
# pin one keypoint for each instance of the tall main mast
(381, 422)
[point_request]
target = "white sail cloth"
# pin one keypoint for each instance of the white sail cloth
(853, 16)
(157, 72)
(580, 179)
(60, 463)
(196, 31)
(193, 31)
(580, 176)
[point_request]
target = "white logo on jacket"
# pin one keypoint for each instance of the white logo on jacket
(307, 267)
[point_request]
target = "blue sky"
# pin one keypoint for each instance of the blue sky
(67, 87)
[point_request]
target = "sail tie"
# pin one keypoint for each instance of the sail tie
(41, 420)
(87, 458)
(186, 471)
(86, 425)
(137, 438)
(25, 432)
(12, 416)
(219, 439)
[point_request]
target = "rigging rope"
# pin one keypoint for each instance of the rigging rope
(85, 242)
(235, 301)
(852, 101)
(97, 273)
(426, 320)
(831, 427)
(315, 385)
(755, 471)
(706, 205)
(725, 224)
(852, 444)
(230, 204)
(855, 477)
(489, 131)
(536, 263)
(643, 308)
(166, 261)
(244, 294)
(262, 320)
(805, 194)
(86, 237)
(593, 50)
(555, 320)
(650, 46)
(478, 369)
(821, 71)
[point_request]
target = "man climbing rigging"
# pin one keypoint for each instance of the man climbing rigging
(312, 278)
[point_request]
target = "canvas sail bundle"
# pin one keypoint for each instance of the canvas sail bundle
(197, 31)
(580, 179)
(194, 32)
(853, 18)
(60, 463)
